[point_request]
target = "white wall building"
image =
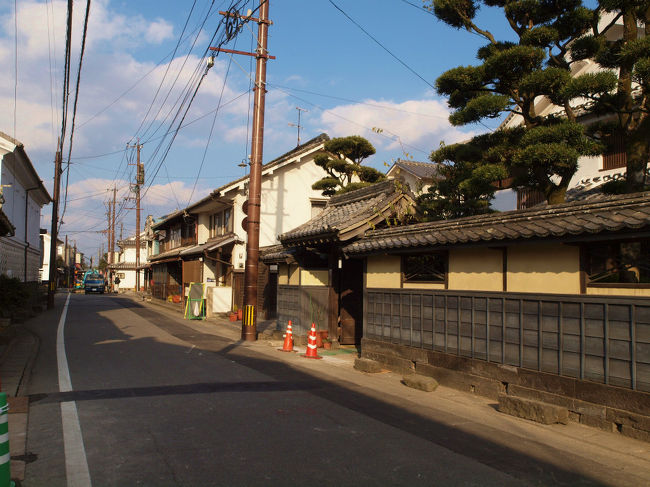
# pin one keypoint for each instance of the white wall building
(125, 262)
(23, 196)
(206, 241)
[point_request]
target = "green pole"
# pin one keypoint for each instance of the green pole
(5, 456)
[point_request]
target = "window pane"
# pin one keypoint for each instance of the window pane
(425, 268)
(619, 262)
(217, 224)
(227, 220)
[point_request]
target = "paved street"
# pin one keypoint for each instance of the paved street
(163, 401)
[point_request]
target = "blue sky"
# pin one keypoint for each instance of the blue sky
(325, 64)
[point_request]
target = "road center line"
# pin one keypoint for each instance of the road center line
(76, 465)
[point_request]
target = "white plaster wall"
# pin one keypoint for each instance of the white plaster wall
(203, 230)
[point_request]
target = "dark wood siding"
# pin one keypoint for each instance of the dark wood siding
(600, 339)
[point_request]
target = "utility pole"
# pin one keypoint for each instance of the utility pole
(55, 230)
(249, 323)
(66, 259)
(112, 244)
(139, 181)
(298, 126)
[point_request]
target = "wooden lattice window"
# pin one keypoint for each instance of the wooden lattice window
(615, 156)
(527, 198)
(425, 267)
(618, 262)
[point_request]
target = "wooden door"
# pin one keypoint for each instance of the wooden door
(351, 301)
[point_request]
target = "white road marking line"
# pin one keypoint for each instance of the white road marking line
(76, 465)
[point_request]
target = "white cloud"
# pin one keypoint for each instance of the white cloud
(159, 31)
(420, 124)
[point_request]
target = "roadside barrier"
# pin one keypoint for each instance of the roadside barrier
(288, 340)
(312, 348)
(5, 456)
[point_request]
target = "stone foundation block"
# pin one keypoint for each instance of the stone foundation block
(396, 364)
(367, 365)
(462, 381)
(420, 382)
(533, 410)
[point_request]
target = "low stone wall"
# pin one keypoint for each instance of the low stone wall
(603, 406)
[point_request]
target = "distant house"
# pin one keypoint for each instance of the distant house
(316, 283)
(22, 195)
(206, 241)
(124, 266)
(418, 175)
(550, 303)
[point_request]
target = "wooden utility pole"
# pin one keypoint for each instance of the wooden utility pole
(108, 234)
(112, 244)
(66, 259)
(139, 181)
(249, 323)
(55, 230)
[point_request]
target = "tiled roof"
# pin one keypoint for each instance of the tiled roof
(348, 215)
(607, 214)
(422, 170)
(275, 253)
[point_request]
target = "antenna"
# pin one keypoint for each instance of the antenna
(298, 124)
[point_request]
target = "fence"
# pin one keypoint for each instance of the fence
(303, 305)
(600, 339)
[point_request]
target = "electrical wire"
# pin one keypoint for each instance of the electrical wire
(214, 119)
(380, 44)
(15, 62)
(76, 99)
(52, 71)
(162, 81)
(357, 102)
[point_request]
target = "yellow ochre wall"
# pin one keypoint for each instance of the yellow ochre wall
(619, 291)
(288, 274)
(383, 271)
(313, 277)
(548, 268)
(478, 269)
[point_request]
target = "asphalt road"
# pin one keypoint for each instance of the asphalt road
(160, 403)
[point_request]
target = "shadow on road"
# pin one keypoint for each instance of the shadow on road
(513, 461)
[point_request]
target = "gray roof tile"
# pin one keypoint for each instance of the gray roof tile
(606, 214)
(344, 212)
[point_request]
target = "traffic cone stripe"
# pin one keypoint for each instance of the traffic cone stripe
(287, 346)
(311, 346)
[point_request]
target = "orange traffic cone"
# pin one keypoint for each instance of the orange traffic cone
(288, 340)
(312, 348)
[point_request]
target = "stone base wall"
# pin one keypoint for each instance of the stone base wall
(603, 406)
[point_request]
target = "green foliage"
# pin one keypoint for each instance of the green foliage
(342, 163)
(624, 94)
(510, 77)
(13, 294)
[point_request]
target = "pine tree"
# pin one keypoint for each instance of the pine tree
(542, 153)
(624, 54)
(343, 163)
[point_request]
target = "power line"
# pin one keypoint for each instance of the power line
(214, 119)
(162, 81)
(380, 44)
(76, 99)
(15, 62)
(357, 102)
